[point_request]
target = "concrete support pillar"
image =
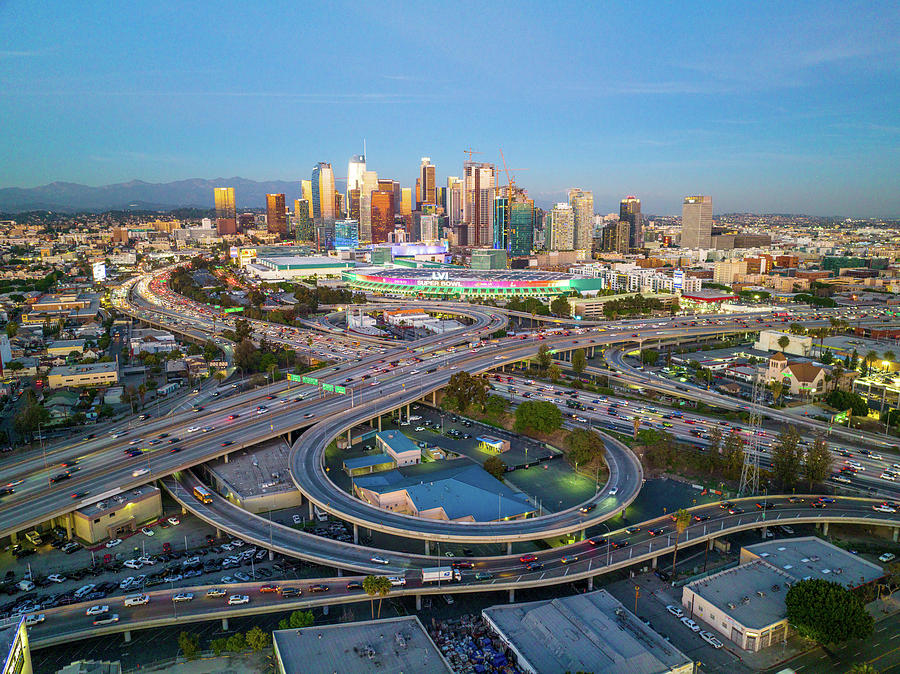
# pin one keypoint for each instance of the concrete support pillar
(14, 537)
(271, 555)
(310, 510)
(434, 398)
(762, 532)
(68, 523)
(224, 624)
(379, 423)
(183, 511)
(427, 547)
(509, 547)
(825, 528)
(225, 458)
(512, 595)
(581, 538)
(590, 583)
(340, 572)
(355, 533)
(418, 602)
(896, 535)
(407, 411)
(653, 562)
(348, 438)
(710, 543)
(127, 636)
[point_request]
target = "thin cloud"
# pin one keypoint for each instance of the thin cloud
(286, 95)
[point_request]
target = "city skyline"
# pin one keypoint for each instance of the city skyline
(759, 118)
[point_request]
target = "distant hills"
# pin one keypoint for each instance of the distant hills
(139, 195)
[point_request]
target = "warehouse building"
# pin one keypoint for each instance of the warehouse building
(118, 514)
(95, 375)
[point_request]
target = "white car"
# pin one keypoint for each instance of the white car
(147, 531)
(710, 639)
(107, 619)
(882, 508)
(56, 578)
(132, 564)
(237, 543)
(146, 561)
(137, 599)
(690, 624)
(887, 557)
(404, 423)
(97, 610)
(174, 521)
(34, 619)
(215, 592)
(676, 611)
(183, 596)
(613, 491)
(137, 472)
(193, 429)
(114, 542)
(379, 560)
(238, 599)
(397, 580)
(419, 429)
(135, 441)
(297, 519)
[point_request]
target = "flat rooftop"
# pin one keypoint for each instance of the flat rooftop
(394, 645)
(70, 370)
(463, 274)
(589, 632)
(117, 501)
(811, 556)
(257, 471)
(752, 594)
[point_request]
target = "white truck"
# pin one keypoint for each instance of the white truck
(441, 573)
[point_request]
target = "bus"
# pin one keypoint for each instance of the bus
(202, 494)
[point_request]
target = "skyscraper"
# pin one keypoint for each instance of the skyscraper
(303, 224)
(501, 221)
(369, 185)
(276, 217)
(520, 240)
(614, 237)
(427, 181)
(562, 227)
(696, 222)
(323, 193)
(406, 201)
(346, 234)
(630, 212)
(582, 204)
(355, 170)
(478, 205)
(454, 206)
(306, 195)
(226, 215)
(382, 215)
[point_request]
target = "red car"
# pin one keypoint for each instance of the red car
(268, 588)
(525, 559)
(167, 548)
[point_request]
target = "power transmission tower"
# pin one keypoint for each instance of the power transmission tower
(750, 470)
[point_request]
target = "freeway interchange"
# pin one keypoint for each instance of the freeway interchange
(375, 386)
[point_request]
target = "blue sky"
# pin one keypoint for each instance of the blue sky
(768, 107)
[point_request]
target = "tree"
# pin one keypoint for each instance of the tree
(787, 457)
(733, 453)
(797, 329)
(297, 620)
(12, 329)
(554, 373)
(189, 643)
(649, 357)
(243, 355)
(584, 446)
(818, 461)
(376, 586)
(242, 330)
(845, 400)
(495, 405)
(826, 612)
(236, 643)
(539, 416)
(257, 639)
(560, 306)
(579, 361)
(715, 440)
(682, 521)
(863, 668)
(783, 342)
(464, 390)
(543, 357)
(495, 466)
(777, 388)
(142, 391)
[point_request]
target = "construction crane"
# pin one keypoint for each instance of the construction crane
(510, 173)
(470, 152)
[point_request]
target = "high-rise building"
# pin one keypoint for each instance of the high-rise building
(520, 240)
(226, 215)
(562, 227)
(382, 214)
(355, 170)
(406, 201)
(306, 195)
(582, 204)
(478, 205)
(429, 227)
(369, 185)
(276, 216)
(338, 205)
(501, 221)
(323, 193)
(615, 237)
(303, 224)
(346, 234)
(353, 203)
(630, 212)
(427, 181)
(454, 205)
(696, 222)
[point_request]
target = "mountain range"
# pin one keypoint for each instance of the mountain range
(140, 195)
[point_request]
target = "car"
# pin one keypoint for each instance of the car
(613, 491)
(354, 585)
(795, 499)
(107, 619)
(624, 543)
(570, 559)
(80, 494)
(818, 504)
(297, 519)
(34, 619)
(183, 596)
(114, 542)
(676, 611)
(227, 443)
(690, 624)
(137, 600)
(597, 540)
(147, 531)
(525, 559)
(887, 557)
(462, 565)
(238, 599)
(173, 578)
(882, 508)
(243, 577)
(193, 429)
(319, 587)
(378, 559)
(534, 566)
(308, 415)
(56, 578)
(448, 598)
(132, 564)
(484, 575)
(632, 530)
(174, 521)
(268, 587)
(701, 518)
(656, 532)
(662, 575)
(585, 509)
(96, 610)
(215, 592)
(710, 639)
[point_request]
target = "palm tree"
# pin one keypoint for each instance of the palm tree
(376, 586)
(783, 342)
(682, 520)
(870, 358)
(863, 668)
(777, 388)
(889, 356)
(142, 391)
(219, 376)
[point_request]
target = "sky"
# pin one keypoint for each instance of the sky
(768, 107)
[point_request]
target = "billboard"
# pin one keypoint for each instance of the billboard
(234, 252)
(99, 272)
(678, 277)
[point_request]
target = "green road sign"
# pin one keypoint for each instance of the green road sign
(295, 377)
(233, 310)
(340, 389)
(328, 387)
(310, 380)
